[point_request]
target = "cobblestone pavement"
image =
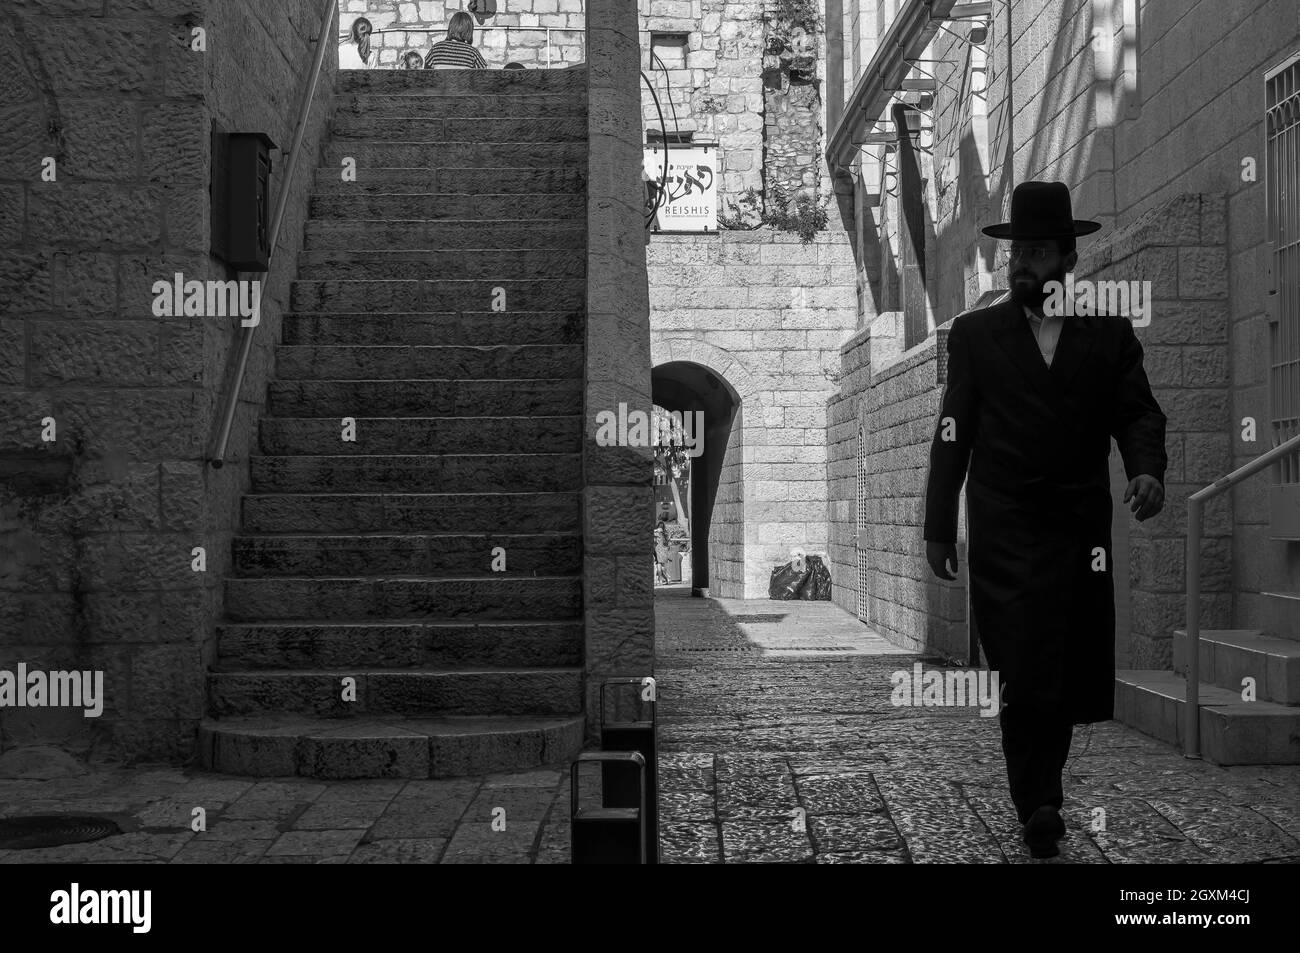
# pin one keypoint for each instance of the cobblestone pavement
(778, 744)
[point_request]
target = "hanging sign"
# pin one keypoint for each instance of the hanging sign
(691, 202)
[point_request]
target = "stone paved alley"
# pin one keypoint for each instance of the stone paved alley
(778, 744)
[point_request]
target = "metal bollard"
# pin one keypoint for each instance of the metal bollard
(607, 835)
(619, 782)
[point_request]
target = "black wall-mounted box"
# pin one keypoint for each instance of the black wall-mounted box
(241, 199)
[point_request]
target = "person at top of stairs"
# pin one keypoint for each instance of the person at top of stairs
(457, 51)
(356, 53)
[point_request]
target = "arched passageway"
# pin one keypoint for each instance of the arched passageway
(717, 486)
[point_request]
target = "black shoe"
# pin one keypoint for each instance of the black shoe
(1043, 829)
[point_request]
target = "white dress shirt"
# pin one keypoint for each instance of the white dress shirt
(1047, 331)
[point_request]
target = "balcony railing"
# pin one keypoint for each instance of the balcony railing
(531, 46)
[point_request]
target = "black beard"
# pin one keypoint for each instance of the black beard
(1032, 294)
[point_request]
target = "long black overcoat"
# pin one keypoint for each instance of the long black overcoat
(1038, 497)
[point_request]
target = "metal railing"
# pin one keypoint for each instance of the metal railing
(286, 188)
(483, 45)
(1192, 706)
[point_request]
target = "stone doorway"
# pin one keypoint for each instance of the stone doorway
(717, 487)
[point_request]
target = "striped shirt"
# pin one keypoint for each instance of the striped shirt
(456, 54)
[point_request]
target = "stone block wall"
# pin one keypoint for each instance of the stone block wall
(718, 94)
(764, 111)
(846, 421)
(98, 525)
(518, 33)
(898, 402)
(1158, 156)
(617, 481)
(767, 314)
(1181, 248)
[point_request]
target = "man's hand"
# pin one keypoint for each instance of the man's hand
(1147, 494)
(938, 555)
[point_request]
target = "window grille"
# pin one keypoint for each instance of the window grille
(1282, 196)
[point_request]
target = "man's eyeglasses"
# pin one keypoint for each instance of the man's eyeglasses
(1034, 253)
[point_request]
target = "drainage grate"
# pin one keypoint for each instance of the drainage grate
(729, 648)
(51, 830)
(767, 618)
(810, 648)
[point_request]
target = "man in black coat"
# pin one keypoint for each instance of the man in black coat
(1031, 402)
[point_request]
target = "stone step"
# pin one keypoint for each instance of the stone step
(367, 362)
(331, 509)
(424, 398)
(478, 82)
(525, 553)
(532, 294)
(418, 234)
(361, 600)
(432, 263)
(363, 205)
(501, 691)
(322, 436)
(450, 329)
(454, 155)
(517, 128)
(1232, 731)
(443, 645)
(375, 747)
(1230, 655)
(396, 181)
(412, 473)
(465, 105)
(1281, 614)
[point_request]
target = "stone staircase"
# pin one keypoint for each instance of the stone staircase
(372, 560)
(1233, 731)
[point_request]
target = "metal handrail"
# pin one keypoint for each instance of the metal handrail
(1192, 706)
(291, 162)
(344, 38)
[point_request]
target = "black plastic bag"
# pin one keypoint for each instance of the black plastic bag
(818, 586)
(787, 582)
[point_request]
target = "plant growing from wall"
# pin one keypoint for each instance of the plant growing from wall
(801, 214)
(792, 27)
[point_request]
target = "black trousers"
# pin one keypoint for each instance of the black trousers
(1036, 744)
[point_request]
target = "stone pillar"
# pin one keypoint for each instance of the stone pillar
(617, 481)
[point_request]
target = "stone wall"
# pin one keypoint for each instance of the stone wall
(792, 107)
(767, 314)
(764, 111)
(1181, 248)
(518, 33)
(1157, 157)
(844, 416)
(617, 481)
(97, 526)
(898, 397)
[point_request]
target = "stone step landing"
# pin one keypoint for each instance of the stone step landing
(1232, 731)
(271, 745)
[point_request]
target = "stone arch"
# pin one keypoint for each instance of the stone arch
(719, 360)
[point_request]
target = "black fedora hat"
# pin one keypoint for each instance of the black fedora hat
(1041, 210)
